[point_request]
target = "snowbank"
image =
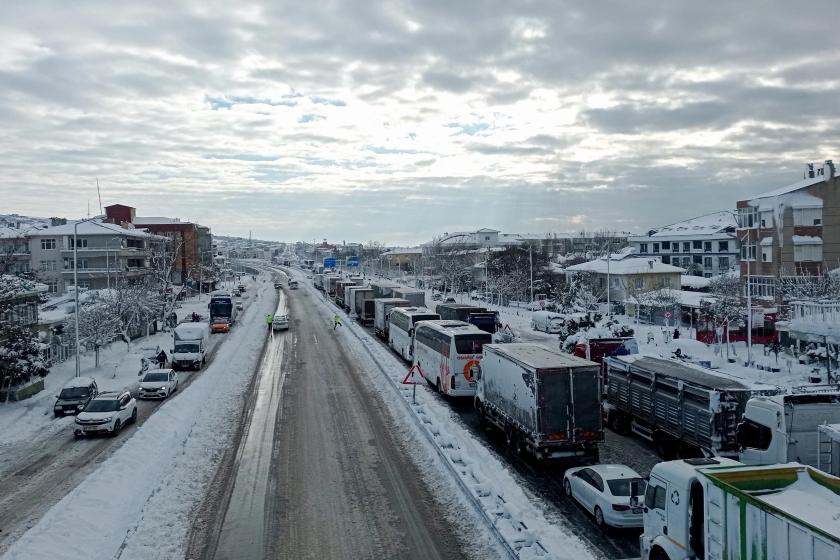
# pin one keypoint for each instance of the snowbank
(137, 504)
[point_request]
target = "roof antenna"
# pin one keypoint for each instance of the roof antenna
(88, 213)
(99, 194)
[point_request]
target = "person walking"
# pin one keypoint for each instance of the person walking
(161, 358)
(336, 321)
(269, 319)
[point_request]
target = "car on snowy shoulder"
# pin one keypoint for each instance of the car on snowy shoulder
(107, 413)
(158, 384)
(75, 396)
(605, 492)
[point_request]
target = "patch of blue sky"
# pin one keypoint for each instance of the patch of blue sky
(226, 102)
(469, 128)
(242, 157)
(328, 101)
(309, 117)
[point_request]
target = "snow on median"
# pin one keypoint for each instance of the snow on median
(137, 504)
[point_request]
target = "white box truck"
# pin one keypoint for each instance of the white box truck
(545, 403)
(190, 345)
(719, 509)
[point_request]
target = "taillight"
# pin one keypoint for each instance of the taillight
(620, 507)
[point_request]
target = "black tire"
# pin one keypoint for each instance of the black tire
(117, 428)
(567, 488)
(658, 554)
(438, 387)
(134, 416)
(77, 436)
(57, 415)
(599, 517)
(519, 444)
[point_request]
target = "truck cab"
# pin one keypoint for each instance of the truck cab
(782, 429)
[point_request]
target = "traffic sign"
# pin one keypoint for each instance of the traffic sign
(667, 314)
(412, 378)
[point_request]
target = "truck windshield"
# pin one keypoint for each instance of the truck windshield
(190, 348)
(471, 343)
(621, 486)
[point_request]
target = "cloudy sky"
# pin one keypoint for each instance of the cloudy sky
(396, 121)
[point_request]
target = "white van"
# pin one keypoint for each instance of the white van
(547, 321)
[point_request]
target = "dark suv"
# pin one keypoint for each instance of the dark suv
(75, 395)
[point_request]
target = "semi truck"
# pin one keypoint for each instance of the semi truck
(318, 281)
(381, 308)
(488, 321)
(383, 288)
(190, 344)
(340, 293)
(684, 409)
(783, 428)
(359, 307)
(329, 284)
(546, 403)
(719, 509)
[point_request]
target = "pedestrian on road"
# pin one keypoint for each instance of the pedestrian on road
(269, 319)
(161, 358)
(676, 333)
(336, 321)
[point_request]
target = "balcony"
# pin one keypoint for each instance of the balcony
(816, 320)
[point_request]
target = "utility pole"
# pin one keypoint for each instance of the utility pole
(76, 286)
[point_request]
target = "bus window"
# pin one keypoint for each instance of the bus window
(471, 343)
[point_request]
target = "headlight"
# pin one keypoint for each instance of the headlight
(108, 419)
(80, 406)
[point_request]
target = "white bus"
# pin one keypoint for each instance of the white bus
(447, 353)
(401, 328)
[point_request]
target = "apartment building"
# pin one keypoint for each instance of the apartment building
(106, 253)
(14, 250)
(704, 246)
(793, 231)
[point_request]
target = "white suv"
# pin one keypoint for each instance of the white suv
(108, 413)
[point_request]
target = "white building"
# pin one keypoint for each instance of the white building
(627, 276)
(704, 246)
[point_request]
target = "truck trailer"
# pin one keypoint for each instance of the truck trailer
(383, 288)
(416, 297)
(381, 308)
(488, 321)
(330, 282)
(545, 403)
(719, 509)
(360, 295)
(340, 294)
(684, 409)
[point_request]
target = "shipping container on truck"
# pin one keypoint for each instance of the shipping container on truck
(485, 320)
(684, 409)
(340, 293)
(545, 403)
(382, 307)
(359, 295)
(329, 284)
(383, 288)
(318, 281)
(719, 509)
(413, 295)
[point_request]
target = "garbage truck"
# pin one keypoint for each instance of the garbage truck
(720, 509)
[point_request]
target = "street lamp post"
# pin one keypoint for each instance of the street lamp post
(76, 284)
(108, 261)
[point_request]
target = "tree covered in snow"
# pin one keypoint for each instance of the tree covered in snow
(98, 325)
(453, 267)
(809, 287)
(727, 302)
(575, 294)
(20, 358)
(510, 272)
(134, 306)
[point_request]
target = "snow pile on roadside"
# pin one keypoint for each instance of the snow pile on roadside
(137, 504)
(493, 491)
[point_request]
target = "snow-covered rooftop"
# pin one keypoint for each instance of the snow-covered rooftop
(689, 299)
(403, 251)
(157, 220)
(717, 224)
(639, 265)
(92, 228)
(807, 182)
(695, 282)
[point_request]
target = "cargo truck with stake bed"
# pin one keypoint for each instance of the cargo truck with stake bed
(545, 403)
(381, 308)
(719, 509)
(684, 409)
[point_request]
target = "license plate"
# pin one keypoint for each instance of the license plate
(91, 428)
(637, 510)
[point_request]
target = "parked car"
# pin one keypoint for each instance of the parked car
(74, 396)
(604, 491)
(293, 284)
(437, 296)
(277, 285)
(239, 305)
(107, 413)
(158, 384)
(241, 288)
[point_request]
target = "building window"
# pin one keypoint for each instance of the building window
(812, 252)
(656, 247)
(748, 251)
(696, 244)
(486, 238)
(767, 253)
(723, 263)
(47, 244)
(723, 246)
(642, 247)
(639, 283)
(686, 247)
(666, 245)
(762, 286)
(766, 217)
(707, 262)
(807, 216)
(666, 282)
(48, 266)
(747, 217)
(81, 243)
(666, 259)
(707, 247)
(686, 262)
(698, 259)
(52, 286)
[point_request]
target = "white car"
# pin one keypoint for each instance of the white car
(280, 323)
(158, 384)
(108, 413)
(604, 491)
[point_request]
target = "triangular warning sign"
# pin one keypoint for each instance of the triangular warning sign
(414, 376)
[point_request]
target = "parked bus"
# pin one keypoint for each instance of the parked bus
(448, 353)
(401, 328)
(221, 307)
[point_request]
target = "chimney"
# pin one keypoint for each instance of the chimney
(58, 221)
(650, 264)
(809, 171)
(828, 170)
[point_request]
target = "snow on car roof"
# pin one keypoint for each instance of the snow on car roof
(78, 382)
